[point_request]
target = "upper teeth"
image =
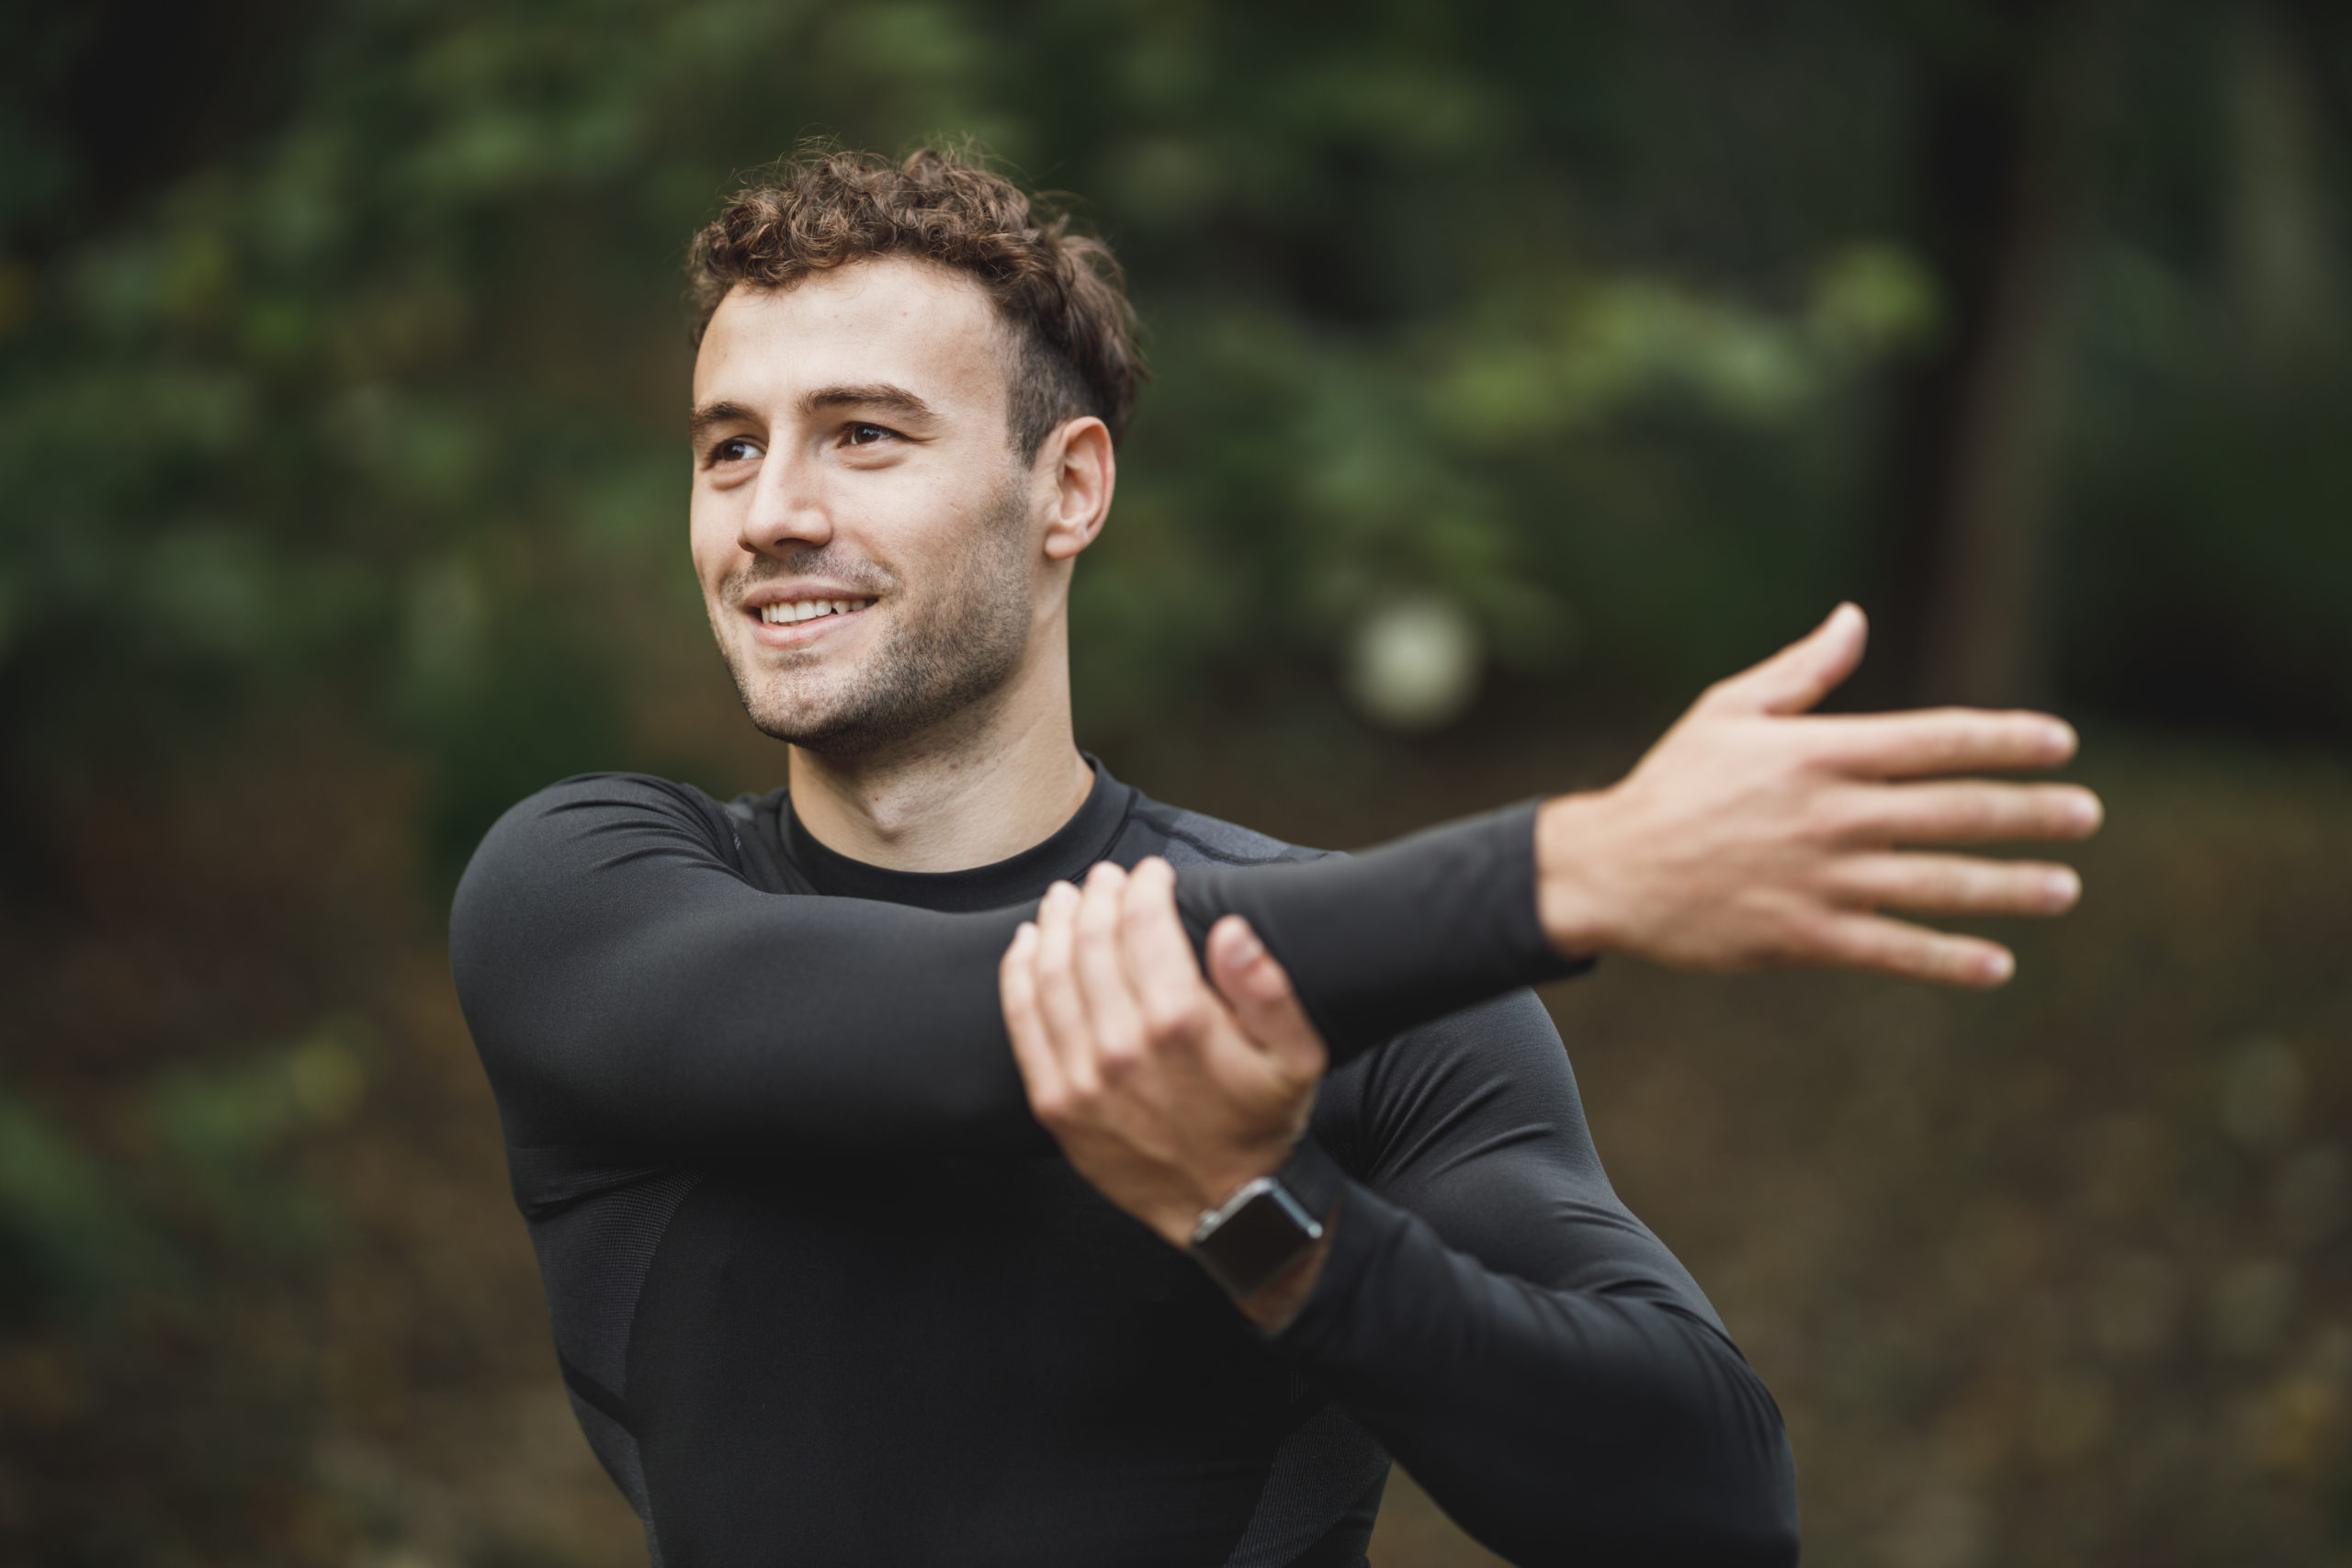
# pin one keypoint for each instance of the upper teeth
(792, 610)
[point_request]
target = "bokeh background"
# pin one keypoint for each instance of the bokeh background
(1521, 364)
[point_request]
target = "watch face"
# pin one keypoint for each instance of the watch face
(1258, 1241)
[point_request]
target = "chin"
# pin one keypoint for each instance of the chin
(796, 720)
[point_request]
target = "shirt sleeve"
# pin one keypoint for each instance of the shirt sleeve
(1522, 1342)
(628, 986)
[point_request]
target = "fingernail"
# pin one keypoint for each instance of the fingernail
(1997, 966)
(2085, 813)
(2062, 888)
(1246, 948)
(1059, 896)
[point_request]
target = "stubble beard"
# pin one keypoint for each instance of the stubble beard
(947, 658)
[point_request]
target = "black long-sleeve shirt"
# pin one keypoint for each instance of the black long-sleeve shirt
(823, 1292)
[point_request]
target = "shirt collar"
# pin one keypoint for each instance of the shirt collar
(1065, 856)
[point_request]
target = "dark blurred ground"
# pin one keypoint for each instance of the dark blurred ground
(1519, 368)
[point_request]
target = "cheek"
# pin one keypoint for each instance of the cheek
(711, 537)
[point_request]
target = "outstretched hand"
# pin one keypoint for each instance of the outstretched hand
(1166, 1092)
(1757, 833)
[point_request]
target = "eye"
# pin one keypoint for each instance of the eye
(864, 434)
(735, 450)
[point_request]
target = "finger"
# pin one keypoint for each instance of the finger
(1111, 1009)
(1258, 991)
(1158, 956)
(1955, 884)
(1800, 675)
(1060, 1007)
(1944, 741)
(1973, 811)
(1914, 952)
(1032, 1050)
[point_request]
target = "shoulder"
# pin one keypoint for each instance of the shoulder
(623, 793)
(589, 806)
(584, 821)
(1193, 838)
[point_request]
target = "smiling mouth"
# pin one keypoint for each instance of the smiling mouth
(792, 612)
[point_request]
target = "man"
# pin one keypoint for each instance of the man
(824, 1291)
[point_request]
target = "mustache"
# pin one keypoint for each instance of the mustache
(833, 565)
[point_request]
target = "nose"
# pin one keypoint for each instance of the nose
(788, 510)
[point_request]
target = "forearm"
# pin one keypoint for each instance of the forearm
(1396, 937)
(1556, 1426)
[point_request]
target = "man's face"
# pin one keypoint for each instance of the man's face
(865, 536)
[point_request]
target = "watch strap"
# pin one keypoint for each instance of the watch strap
(1313, 1178)
(1262, 1231)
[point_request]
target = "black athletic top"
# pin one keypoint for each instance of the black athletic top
(823, 1292)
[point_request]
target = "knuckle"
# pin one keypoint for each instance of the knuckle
(1829, 817)
(2015, 886)
(2045, 811)
(1053, 963)
(1963, 811)
(1948, 883)
(1175, 1020)
(1986, 813)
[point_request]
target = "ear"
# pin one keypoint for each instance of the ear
(1078, 463)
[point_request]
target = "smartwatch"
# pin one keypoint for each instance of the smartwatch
(1257, 1234)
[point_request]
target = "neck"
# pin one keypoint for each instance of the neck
(994, 780)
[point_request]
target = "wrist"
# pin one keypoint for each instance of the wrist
(1571, 839)
(1263, 1239)
(1175, 1212)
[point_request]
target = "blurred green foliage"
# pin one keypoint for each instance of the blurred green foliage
(1588, 318)
(87, 1225)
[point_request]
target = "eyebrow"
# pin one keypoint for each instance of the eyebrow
(880, 395)
(711, 414)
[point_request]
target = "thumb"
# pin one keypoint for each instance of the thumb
(1801, 675)
(1264, 1004)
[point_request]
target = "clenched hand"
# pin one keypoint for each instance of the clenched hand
(1168, 1094)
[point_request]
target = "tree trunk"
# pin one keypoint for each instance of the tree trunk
(2003, 155)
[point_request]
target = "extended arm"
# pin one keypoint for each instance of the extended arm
(628, 986)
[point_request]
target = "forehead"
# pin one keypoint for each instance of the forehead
(883, 321)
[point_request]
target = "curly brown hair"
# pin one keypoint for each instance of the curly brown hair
(1060, 294)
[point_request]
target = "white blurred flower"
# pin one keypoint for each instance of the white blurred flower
(1414, 664)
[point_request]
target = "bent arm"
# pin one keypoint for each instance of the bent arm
(1522, 1344)
(626, 983)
